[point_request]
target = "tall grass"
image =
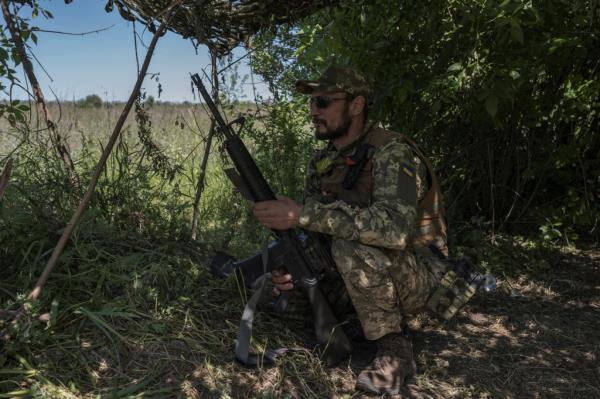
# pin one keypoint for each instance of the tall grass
(131, 308)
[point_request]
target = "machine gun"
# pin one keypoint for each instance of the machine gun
(304, 256)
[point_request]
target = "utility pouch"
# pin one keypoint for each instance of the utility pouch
(457, 287)
(451, 295)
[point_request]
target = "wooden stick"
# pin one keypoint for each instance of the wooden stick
(201, 177)
(5, 177)
(211, 132)
(55, 137)
(62, 242)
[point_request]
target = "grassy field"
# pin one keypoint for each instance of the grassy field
(132, 311)
(176, 127)
(178, 130)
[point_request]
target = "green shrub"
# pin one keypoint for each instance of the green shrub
(504, 96)
(91, 101)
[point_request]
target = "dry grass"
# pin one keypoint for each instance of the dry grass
(135, 315)
(176, 127)
(536, 338)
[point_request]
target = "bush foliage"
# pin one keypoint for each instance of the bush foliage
(503, 95)
(91, 100)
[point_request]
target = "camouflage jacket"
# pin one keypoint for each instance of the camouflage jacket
(380, 214)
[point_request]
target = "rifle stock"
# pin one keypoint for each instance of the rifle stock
(302, 267)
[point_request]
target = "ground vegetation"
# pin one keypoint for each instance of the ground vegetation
(503, 95)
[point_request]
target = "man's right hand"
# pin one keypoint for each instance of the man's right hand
(282, 280)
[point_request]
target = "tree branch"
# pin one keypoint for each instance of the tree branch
(5, 178)
(211, 132)
(37, 91)
(73, 33)
(58, 250)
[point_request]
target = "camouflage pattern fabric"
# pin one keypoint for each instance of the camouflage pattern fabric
(387, 221)
(382, 288)
(338, 78)
(371, 244)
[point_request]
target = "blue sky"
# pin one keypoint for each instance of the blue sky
(104, 63)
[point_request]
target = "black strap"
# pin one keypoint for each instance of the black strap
(357, 162)
(244, 335)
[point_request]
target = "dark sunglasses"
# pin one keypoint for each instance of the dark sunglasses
(323, 102)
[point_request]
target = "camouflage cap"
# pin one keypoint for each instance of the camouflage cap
(338, 78)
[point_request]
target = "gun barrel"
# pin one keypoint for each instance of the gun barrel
(298, 261)
(241, 158)
(212, 106)
(248, 170)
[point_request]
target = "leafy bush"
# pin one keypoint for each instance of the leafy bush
(91, 101)
(504, 96)
(150, 101)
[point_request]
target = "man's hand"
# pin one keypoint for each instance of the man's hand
(282, 280)
(279, 214)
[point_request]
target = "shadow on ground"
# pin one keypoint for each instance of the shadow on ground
(537, 337)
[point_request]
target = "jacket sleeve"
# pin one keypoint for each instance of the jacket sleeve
(388, 221)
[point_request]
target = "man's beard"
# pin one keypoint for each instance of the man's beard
(340, 131)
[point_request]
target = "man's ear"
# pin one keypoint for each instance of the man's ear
(358, 105)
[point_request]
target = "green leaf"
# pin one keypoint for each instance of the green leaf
(299, 50)
(515, 31)
(402, 95)
(15, 56)
(47, 14)
(491, 105)
(555, 43)
(457, 66)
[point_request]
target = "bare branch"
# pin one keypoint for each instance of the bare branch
(211, 132)
(37, 91)
(58, 250)
(5, 177)
(39, 63)
(73, 33)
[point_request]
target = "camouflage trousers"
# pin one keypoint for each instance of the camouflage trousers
(383, 285)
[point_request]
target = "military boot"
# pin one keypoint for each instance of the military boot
(392, 365)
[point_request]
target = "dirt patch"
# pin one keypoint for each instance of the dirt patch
(537, 337)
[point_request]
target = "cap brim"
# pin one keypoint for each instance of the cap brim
(306, 86)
